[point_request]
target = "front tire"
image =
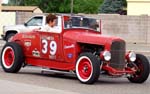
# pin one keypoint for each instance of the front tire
(9, 37)
(142, 72)
(12, 57)
(87, 68)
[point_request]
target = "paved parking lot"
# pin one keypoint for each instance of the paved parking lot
(30, 80)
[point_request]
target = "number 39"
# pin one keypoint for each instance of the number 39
(52, 45)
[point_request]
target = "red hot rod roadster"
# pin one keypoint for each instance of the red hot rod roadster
(78, 47)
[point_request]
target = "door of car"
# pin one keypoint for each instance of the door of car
(51, 43)
(51, 46)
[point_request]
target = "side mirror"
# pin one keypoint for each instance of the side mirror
(25, 24)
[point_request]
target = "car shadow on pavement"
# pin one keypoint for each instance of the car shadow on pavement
(102, 81)
(51, 74)
(25, 74)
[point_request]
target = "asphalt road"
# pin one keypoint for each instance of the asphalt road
(30, 80)
(69, 83)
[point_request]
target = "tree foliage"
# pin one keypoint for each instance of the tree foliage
(87, 6)
(61, 6)
(113, 6)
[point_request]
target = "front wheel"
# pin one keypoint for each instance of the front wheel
(87, 68)
(12, 57)
(9, 37)
(143, 70)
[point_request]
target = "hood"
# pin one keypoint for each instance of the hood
(14, 26)
(90, 37)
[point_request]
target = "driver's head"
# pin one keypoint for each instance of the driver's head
(51, 20)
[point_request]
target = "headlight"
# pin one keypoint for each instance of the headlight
(106, 55)
(131, 56)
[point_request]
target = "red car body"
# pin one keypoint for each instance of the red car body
(62, 51)
(67, 43)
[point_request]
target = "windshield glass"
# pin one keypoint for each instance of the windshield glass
(81, 22)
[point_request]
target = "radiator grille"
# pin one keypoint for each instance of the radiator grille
(118, 55)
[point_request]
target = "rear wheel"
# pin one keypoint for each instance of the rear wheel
(12, 57)
(143, 70)
(87, 68)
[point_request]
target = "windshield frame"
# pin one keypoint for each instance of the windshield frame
(68, 23)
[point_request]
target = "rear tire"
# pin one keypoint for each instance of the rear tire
(12, 57)
(143, 70)
(87, 68)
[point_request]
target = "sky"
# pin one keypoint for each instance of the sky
(5, 1)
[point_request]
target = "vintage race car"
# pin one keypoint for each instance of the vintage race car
(77, 46)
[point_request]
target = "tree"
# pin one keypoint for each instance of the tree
(87, 6)
(113, 6)
(61, 6)
(45, 5)
(15, 2)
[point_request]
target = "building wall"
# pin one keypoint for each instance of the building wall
(138, 7)
(133, 29)
(38, 10)
(0, 5)
(7, 18)
(24, 16)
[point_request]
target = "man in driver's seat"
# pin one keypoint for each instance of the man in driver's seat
(50, 24)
